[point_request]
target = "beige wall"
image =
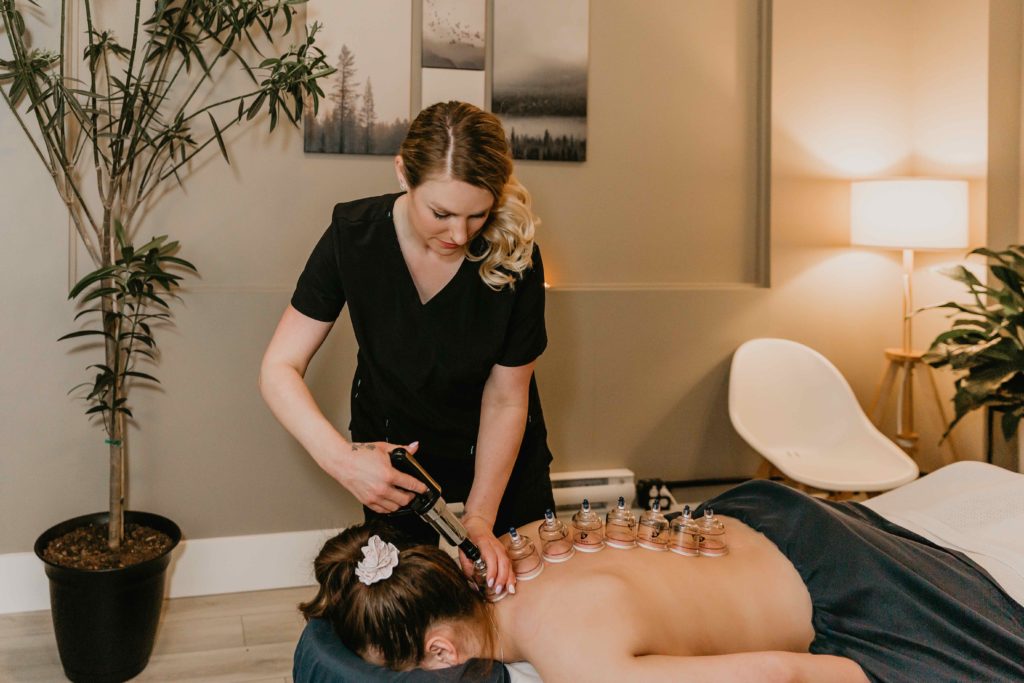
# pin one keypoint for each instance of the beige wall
(634, 378)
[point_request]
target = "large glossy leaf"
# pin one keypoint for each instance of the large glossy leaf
(987, 380)
(971, 309)
(986, 348)
(1010, 422)
(1011, 257)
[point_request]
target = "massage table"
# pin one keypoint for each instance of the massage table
(972, 507)
(969, 506)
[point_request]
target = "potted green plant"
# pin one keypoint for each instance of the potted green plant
(985, 344)
(111, 142)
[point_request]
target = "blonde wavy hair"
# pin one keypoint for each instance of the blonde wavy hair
(464, 142)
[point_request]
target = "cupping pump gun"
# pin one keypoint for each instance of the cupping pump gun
(431, 508)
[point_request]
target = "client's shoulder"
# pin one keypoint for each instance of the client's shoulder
(755, 491)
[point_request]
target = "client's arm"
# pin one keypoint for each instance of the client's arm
(603, 636)
(765, 667)
(769, 667)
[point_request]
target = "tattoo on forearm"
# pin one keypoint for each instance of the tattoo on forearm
(363, 447)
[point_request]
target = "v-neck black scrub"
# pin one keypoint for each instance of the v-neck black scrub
(422, 366)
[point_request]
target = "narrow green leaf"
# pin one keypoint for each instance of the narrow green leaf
(254, 108)
(85, 333)
(90, 279)
(153, 243)
(19, 22)
(87, 311)
(220, 140)
(100, 292)
(142, 375)
(157, 299)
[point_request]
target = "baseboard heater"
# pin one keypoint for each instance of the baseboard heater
(601, 487)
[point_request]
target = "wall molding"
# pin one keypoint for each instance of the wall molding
(654, 286)
(206, 566)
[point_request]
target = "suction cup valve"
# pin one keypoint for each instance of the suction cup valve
(555, 542)
(526, 561)
(588, 530)
(712, 535)
(684, 535)
(620, 527)
(652, 533)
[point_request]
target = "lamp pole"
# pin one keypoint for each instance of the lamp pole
(908, 358)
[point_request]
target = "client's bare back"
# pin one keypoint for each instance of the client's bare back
(641, 602)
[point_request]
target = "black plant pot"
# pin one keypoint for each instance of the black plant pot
(105, 620)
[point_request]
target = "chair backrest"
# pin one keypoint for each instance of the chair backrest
(783, 394)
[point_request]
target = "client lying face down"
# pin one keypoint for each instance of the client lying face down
(388, 605)
(849, 597)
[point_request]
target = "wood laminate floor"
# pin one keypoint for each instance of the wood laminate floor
(234, 637)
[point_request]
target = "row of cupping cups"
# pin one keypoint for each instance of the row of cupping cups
(620, 529)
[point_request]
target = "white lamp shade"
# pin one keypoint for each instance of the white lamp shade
(909, 214)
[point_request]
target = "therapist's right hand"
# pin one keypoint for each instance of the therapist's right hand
(370, 477)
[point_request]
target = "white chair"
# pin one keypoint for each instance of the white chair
(794, 408)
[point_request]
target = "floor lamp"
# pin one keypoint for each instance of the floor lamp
(908, 214)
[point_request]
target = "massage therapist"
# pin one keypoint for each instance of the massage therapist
(445, 289)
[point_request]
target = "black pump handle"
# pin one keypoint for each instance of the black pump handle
(403, 461)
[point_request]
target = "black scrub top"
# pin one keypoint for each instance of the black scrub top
(422, 367)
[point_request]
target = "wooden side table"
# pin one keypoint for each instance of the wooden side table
(901, 367)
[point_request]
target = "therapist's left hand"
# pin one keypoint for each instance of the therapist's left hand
(499, 568)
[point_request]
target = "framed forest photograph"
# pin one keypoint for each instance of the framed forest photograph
(366, 108)
(539, 84)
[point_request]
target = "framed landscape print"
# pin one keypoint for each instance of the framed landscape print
(366, 108)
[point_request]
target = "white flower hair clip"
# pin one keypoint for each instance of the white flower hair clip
(379, 559)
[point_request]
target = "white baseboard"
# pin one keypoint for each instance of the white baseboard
(206, 566)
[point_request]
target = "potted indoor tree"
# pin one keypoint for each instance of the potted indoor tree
(985, 344)
(112, 140)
